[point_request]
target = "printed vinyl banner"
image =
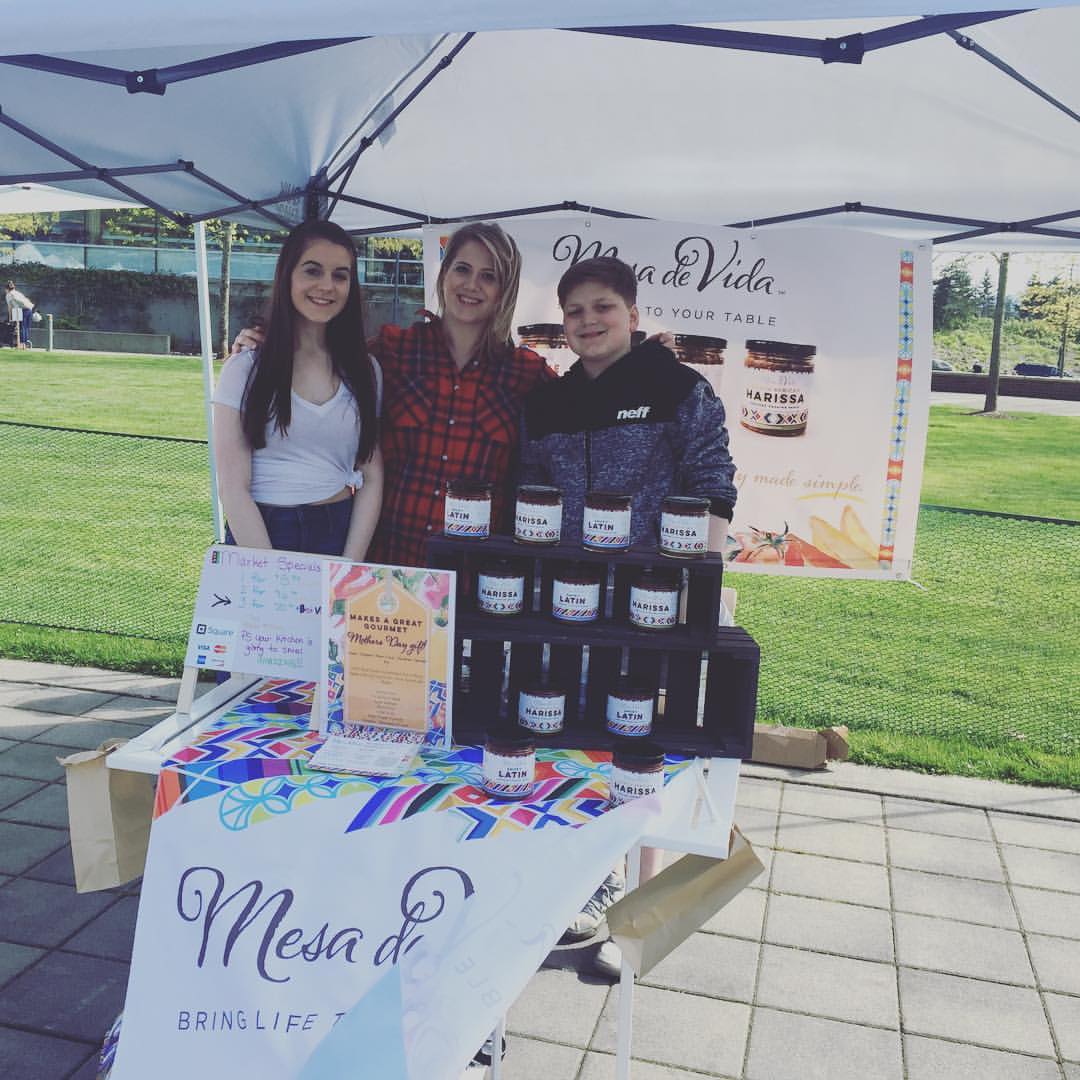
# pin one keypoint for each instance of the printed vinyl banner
(817, 341)
(342, 939)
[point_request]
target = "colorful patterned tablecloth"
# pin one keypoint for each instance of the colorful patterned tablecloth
(254, 757)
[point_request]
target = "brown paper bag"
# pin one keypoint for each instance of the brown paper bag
(109, 811)
(656, 918)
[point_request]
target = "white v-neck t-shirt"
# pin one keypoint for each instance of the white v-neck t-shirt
(316, 458)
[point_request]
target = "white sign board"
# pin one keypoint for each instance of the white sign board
(257, 612)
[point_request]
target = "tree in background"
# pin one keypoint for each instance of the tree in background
(1056, 303)
(955, 298)
(26, 226)
(986, 296)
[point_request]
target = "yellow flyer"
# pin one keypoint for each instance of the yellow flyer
(389, 648)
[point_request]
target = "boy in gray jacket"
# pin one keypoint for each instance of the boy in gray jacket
(628, 420)
(633, 421)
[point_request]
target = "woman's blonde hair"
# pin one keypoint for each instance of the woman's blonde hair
(507, 263)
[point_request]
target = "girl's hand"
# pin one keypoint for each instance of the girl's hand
(661, 337)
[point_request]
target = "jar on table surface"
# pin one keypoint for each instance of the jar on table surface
(684, 526)
(575, 594)
(704, 354)
(467, 513)
(509, 767)
(541, 708)
(777, 386)
(500, 588)
(654, 600)
(538, 514)
(549, 340)
(637, 770)
(605, 523)
(630, 708)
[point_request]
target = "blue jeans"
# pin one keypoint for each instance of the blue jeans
(27, 322)
(315, 530)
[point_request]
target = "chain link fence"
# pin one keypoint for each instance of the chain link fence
(105, 533)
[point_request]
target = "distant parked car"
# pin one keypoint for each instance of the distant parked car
(1046, 370)
(937, 364)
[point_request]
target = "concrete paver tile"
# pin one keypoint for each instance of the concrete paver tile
(119, 682)
(30, 671)
(14, 789)
(57, 699)
(531, 1057)
(602, 1067)
(40, 913)
(82, 734)
(710, 965)
(1007, 1017)
(840, 839)
(1048, 912)
(23, 845)
(64, 994)
(46, 806)
(1043, 869)
(788, 1047)
(111, 934)
(945, 855)
(757, 825)
(560, 1006)
(847, 929)
(1057, 962)
(953, 898)
(838, 805)
(762, 793)
(1037, 832)
(1065, 1016)
(131, 710)
(937, 818)
(936, 1059)
(743, 917)
(831, 879)
(24, 1055)
(17, 724)
(32, 761)
(16, 958)
(57, 868)
(836, 987)
(982, 952)
(684, 1030)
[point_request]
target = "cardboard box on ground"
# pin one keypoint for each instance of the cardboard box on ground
(799, 748)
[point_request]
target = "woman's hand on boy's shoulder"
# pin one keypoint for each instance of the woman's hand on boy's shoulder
(663, 337)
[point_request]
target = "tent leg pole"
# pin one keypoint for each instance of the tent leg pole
(202, 275)
(624, 1027)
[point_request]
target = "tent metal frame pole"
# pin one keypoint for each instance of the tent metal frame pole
(345, 170)
(198, 174)
(74, 159)
(91, 174)
(202, 274)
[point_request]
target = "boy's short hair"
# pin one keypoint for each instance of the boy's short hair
(604, 270)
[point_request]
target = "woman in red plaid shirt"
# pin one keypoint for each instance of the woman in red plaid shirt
(453, 387)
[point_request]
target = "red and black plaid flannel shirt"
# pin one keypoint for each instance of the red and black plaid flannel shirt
(441, 424)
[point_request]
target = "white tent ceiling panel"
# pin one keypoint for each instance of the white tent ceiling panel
(41, 199)
(118, 24)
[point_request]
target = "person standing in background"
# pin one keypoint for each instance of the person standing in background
(20, 312)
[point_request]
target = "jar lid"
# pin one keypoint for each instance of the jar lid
(782, 348)
(642, 753)
(594, 497)
(655, 579)
(469, 488)
(502, 568)
(542, 689)
(509, 741)
(685, 504)
(626, 686)
(697, 341)
(539, 491)
(542, 329)
(577, 572)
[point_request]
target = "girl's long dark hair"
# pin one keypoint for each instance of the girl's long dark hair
(268, 395)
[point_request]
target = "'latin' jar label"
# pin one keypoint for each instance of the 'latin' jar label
(606, 521)
(509, 776)
(629, 715)
(467, 512)
(575, 601)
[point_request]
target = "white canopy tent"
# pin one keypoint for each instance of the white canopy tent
(42, 199)
(936, 127)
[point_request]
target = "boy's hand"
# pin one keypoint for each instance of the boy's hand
(663, 337)
(251, 337)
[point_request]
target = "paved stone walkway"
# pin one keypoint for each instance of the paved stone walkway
(906, 927)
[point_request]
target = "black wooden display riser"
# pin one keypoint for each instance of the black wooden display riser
(506, 652)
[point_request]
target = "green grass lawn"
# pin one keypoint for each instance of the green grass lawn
(972, 673)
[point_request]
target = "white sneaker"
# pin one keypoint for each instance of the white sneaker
(608, 960)
(591, 916)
